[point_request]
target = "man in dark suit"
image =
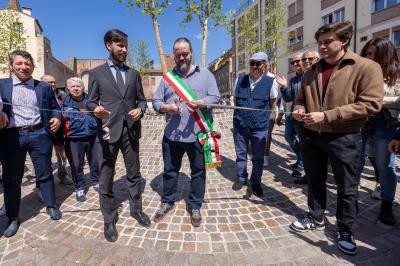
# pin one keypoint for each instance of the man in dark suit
(32, 120)
(116, 95)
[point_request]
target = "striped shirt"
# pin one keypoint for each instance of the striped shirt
(25, 109)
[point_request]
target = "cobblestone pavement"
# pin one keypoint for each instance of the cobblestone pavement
(237, 228)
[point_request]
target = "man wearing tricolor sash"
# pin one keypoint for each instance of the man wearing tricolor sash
(182, 95)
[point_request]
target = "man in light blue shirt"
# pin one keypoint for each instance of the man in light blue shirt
(181, 129)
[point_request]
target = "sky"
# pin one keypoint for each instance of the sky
(76, 27)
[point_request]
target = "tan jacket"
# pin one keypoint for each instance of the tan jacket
(355, 90)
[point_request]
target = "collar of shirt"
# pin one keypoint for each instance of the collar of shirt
(196, 69)
(253, 83)
(121, 67)
(17, 81)
(269, 74)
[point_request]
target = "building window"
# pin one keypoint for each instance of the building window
(295, 36)
(390, 3)
(299, 38)
(337, 16)
(153, 81)
(396, 38)
(378, 5)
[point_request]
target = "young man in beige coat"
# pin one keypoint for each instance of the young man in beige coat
(336, 96)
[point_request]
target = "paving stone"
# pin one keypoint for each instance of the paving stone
(236, 229)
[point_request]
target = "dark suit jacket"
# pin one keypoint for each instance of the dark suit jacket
(45, 98)
(103, 91)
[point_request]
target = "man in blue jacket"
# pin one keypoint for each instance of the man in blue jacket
(33, 118)
(80, 132)
(292, 126)
(253, 90)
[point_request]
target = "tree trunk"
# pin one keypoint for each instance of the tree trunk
(204, 45)
(159, 44)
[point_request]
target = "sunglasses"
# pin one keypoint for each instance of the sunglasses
(255, 63)
(307, 59)
(295, 62)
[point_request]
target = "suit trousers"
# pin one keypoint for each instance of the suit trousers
(130, 151)
(39, 144)
(342, 150)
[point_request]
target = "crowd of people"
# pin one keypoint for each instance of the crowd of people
(338, 108)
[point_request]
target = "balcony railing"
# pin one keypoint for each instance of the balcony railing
(296, 18)
(328, 3)
(297, 46)
(385, 14)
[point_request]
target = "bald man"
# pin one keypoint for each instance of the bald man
(59, 144)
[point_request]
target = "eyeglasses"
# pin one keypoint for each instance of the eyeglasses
(304, 59)
(295, 61)
(256, 63)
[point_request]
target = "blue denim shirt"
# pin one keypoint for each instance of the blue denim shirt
(183, 127)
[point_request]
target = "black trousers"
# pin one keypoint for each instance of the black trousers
(75, 150)
(342, 150)
(173, 152)
(130, 151)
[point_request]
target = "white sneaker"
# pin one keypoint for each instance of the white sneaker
(266, 163)
(376, 194)
(2, 210)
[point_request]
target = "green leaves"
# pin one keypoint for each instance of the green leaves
(139, 57)
(270, 36)
(11, 36)
(148, 7)
(206, 11)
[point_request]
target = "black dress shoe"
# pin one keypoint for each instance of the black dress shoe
(257, 190)
(142, 218)
(238, 185)
(110, 232)
(12, 227)
(54, 213)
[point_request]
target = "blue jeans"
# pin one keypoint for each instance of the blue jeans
(15, 146)
(385, 160)
(257, 139)
(366, 151)
(291, 136)
(173, 152)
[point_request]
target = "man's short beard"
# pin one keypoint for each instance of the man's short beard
(184, 67)
(115, 57)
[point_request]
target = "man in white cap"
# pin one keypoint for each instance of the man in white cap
(254, 90)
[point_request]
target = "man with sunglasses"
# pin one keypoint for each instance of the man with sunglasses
(336, 96)
(293, 126)
(254, 90)
(309, 59)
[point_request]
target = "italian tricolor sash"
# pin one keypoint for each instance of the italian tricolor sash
(207, 136)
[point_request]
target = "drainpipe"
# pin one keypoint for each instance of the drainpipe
(355, 25)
